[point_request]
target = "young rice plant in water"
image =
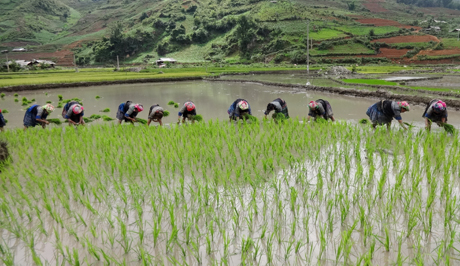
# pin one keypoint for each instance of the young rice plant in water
(223, 193)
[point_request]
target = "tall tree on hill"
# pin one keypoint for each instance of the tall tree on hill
(246, 30)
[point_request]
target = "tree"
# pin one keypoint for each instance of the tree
(245, 32)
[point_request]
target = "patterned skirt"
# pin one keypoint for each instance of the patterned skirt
(378, 117)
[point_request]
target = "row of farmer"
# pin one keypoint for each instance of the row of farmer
(380, 113)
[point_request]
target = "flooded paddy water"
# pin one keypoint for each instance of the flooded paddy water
(216, 193)
(211, 98)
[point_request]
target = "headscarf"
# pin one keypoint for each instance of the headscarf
(77, 109)
(243, 105)
(442, 103)
(439, 107)
(190, 106)
(139, 107)
(48, 107)
(404, 105)
(313, 105)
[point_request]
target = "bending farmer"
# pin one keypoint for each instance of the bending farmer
(73, 113)
(436, 111)
(128, 111)
(2, 121)
(188, 110)
(279, 106)
(320, 108)
(238, 109)
(37, 114)
(384, 111)
(155, 114)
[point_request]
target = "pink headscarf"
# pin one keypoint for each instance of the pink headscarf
(77, 109)
(190, 106)
(442, 103)
(139, 107)
(313, 105)
(404, 105)
(439, 106)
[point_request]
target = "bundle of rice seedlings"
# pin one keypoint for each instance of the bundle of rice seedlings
(107, 118)
(449, 128)
(165, 113)
(142, 121)
(87, 120)
(176, 105)
(95, 116)
(171, 103)
(197, 118)
(409, 125)
(60, 97)
(364, 121)
(248, 117)
(320, 120)
(106, 110)
(5, 111)
(98, 97)
(279, 117)
(54, 121)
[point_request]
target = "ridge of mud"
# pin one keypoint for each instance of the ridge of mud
(381, 93)
(92, 83)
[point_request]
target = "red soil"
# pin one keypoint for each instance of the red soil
(440, 52)
(410, 38)
(375, 6)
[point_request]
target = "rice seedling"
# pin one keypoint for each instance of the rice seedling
(5, 111)
(165, 113)
(449, 128)
(48, 101)
(176, 105)
(16, 100)
(60, 97)
(2, 95)
(98, 97)
(141, 121)
(197, 118)
(107, 118)
(55, 121)
(364, 121)
(106, 110)
(171, 103)
(198, 195)
(16, 95)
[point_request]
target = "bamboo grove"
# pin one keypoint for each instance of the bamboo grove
(223, 194)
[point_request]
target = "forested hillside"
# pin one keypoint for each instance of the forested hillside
(139, 31)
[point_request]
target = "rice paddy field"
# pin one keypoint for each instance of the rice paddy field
(218, 193)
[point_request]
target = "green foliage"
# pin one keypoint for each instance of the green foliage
(449, 128)
(364, 121)
(141, 121)
(176, 105)
(16, 95)
(197, 118)
(60, 97)
(98, 97)
(171, 102)
(5, 111)
(2, 95)
(55, 121)
(106, 110)
(165, 113)
(107, 118)
(279, 117)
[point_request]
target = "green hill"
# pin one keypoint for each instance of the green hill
(140, 31)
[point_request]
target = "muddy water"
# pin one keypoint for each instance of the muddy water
(211, 98)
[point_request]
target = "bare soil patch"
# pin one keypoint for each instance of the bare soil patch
(440, 52)
(375, 6)
(410, 38)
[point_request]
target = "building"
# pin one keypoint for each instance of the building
(26, 64)
(163, 61)
(19, 50)
(432, 29)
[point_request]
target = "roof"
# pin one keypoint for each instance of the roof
(455, 30)
(22, 63)
(43, 62)
(166, 59)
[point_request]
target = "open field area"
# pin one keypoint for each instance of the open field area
(408, 39)
(142, 196)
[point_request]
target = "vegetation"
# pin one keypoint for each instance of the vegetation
(366, 191)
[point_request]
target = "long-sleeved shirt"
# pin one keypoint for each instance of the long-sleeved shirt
(430, 113)
(131, 110)
(40, 110)
(70, 113)
(154, 110)
(234, 110)
(319, 110)
(184, 112)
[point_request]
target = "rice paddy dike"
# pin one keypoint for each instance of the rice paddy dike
(220, 193)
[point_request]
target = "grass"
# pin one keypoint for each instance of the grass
(450, 43)
(351, 48)
(364, 30)
(371, 82)
(381, 69)
(325, 34)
